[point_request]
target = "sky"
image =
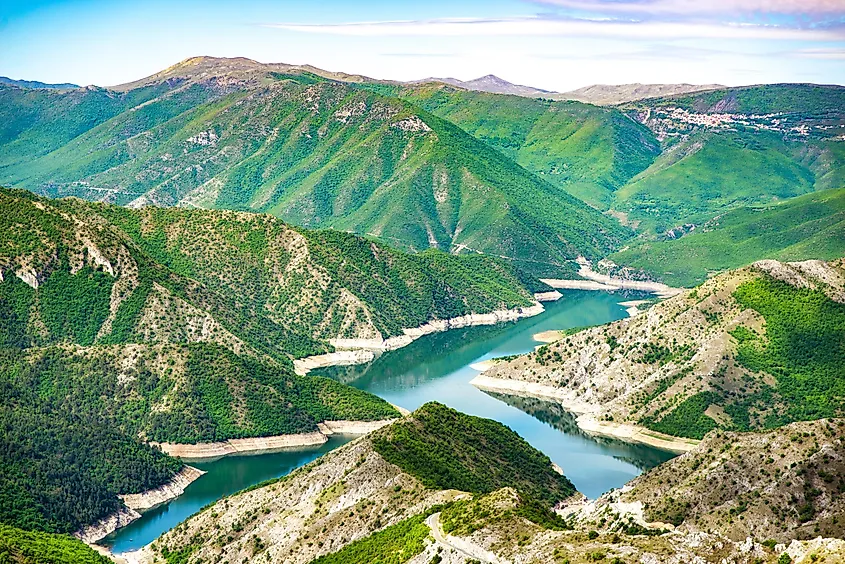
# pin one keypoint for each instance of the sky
(552, 44)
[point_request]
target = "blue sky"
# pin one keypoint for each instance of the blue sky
(552, 44)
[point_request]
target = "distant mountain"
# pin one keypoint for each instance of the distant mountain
(36, 84)
(610, 94)
(490, 83)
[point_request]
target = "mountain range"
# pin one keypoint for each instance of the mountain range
(409, 164)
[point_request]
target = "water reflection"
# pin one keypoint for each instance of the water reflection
(554, 415)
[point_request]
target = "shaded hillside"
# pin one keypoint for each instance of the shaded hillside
(807, 226)
(312, 150)
(588, 151)
(754, 348)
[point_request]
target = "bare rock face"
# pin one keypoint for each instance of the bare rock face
(829, 277)
(171, 490)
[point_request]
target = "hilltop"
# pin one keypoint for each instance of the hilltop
(749, 349)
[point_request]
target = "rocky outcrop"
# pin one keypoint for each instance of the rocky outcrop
(593, 280)
(256, 445)
(171, 490)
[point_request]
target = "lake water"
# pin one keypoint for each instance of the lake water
(437, 368)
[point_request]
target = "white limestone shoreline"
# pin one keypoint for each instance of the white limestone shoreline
(275, 443)
(586, 422)
(138, 503)
(361, 351)
(592, 280)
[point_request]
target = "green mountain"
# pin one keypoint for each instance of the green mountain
(588, 151)
(731, 147)
(121, 326)
(806, 226)
(309, 149)
(749, 349)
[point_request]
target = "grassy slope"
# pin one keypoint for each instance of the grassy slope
(809, 226)
(321, 153)
(704, 171)
(716, 171)
(586, 150)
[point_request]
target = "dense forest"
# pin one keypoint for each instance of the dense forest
(447, 449)
(32, 547)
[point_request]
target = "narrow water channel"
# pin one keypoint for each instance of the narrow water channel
(437, 368)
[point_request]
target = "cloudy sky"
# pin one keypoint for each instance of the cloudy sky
(552, 44)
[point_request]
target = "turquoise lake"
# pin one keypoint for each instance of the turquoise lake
(437, 368)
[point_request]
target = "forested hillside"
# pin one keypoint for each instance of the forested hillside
(312, 150)
(120, 326)
(755, 348)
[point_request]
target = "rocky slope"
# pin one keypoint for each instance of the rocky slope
(355, 506)
(750, 348)
(379, 482)
(247, 282)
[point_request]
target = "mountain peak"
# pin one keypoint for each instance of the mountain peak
(490, 83)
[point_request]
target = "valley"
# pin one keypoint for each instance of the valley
(259, 312)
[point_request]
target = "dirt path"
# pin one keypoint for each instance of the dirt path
(462, 547)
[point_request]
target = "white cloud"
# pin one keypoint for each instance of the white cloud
(535, 25)
(690, 7)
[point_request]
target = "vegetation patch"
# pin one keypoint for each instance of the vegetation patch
(32, 547)
(395, 544)
(447, 449)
